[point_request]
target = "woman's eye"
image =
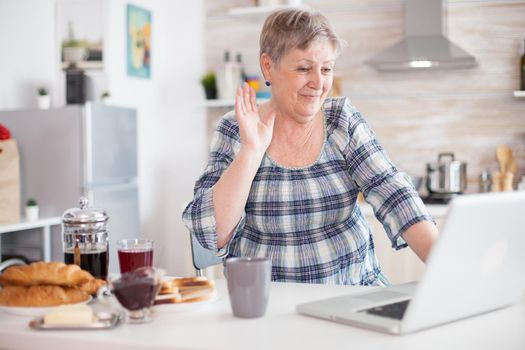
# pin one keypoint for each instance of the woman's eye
(327, 70)
(303, 69)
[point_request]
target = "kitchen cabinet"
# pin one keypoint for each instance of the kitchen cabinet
(403, 265)
(400, 266)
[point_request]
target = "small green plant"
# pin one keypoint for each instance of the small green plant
(74, 43)
(208, 82)
(104, 95)
(42, 91)
(31, 203)
(71, 41)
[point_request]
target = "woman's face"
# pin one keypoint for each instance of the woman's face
(301, 81)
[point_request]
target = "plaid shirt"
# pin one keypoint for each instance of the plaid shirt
(307, 219)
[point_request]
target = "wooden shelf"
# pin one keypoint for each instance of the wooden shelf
(519, 93)
(24, 224)
(95, 65)
(44, 224)
(226, 103)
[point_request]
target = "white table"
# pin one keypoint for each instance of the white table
(213, 327)
(43, 223)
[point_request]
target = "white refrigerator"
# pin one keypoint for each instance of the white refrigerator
(80, 150)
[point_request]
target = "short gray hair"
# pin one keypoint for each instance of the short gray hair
(291, 28)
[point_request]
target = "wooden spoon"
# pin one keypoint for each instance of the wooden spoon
(513, 166)
(504, 156)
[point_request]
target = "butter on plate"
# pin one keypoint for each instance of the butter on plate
(70, 314)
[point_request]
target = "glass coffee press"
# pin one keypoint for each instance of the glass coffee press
(85, 238)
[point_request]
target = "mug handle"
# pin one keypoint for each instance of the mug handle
(224, 269)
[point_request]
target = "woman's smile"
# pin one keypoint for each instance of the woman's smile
(308, 97)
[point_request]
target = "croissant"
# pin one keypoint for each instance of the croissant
(41, 296)
(92, 286)
(45, 273)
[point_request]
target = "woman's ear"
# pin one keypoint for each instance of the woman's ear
(266, 66)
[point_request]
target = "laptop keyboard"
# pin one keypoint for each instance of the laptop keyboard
(394, 310)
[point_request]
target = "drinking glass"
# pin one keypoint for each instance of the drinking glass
(134, 253)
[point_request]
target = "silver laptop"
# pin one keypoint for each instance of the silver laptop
(475, 266)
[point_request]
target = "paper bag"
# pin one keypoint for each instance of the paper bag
(9, 182)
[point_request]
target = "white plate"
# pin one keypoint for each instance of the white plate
(34, 311)
(188, 306)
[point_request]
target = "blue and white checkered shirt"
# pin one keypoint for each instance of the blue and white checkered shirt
(307, 220)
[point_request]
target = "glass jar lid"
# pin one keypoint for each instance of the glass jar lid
(84, 214)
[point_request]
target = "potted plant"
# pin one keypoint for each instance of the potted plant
(73, 50)
(31, 210)
(209, 84)
(43, 98)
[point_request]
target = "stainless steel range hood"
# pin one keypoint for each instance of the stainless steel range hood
(424, 45)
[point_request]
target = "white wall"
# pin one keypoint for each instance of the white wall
(172, 145)
(171, 118)
(27, 58)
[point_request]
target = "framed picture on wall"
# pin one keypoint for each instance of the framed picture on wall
(138, 29)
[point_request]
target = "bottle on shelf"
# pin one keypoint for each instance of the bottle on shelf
(228, 78)
(244, 77)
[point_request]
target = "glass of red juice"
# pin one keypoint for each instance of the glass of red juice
(134, 253)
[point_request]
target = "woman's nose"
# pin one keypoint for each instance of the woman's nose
(316, 80)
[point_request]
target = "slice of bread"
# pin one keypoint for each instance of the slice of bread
(173, 298)
(199, 292)
(190, 281)
(167, 287)
(185, 289)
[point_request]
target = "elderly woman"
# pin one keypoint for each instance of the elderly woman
(283, 178)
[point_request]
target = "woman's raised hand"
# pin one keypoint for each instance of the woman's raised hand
(256, 130)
